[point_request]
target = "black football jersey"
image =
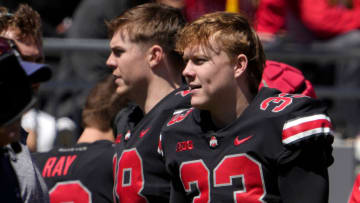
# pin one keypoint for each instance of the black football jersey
(140, 172)
(82, 173)
(278, 150)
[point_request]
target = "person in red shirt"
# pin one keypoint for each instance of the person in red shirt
(193, 9)
(355, 193)
(325, 19)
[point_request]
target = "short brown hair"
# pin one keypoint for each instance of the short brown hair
(151, 23)
(234, 35)
(25, 19)
(101, 105)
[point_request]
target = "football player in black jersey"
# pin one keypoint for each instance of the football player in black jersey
(236, 144)
(83, 173)
(147, 70)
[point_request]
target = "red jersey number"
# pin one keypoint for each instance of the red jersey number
(246, 168)
(129, 180)
(283, 101)
(71, 191)
(195, 172)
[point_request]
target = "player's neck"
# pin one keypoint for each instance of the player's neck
(157, 90)
(90, 135)
(230, 109)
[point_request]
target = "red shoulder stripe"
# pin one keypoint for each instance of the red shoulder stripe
(306, 126)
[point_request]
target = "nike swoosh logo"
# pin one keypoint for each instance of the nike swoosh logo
(143, 132)
(238, 142)
(118, 138)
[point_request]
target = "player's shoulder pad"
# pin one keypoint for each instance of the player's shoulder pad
(307, 129)
(183, 93)
(312, 134)
(284, 103)
(130, 112)
(127, 111)
(303, 118)
(179, 115)
(123, 113)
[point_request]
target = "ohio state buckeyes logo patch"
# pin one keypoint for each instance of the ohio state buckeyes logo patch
(213, 142)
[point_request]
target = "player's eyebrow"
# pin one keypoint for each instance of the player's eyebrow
(115, 46)
(185, 58)
(195, 56)
(117, 50)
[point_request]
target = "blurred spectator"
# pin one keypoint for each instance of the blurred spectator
(32, 186)
(55, 15)
(270, 20)
(196, 8)
(24, 27)
(13, 4)
(85, 68)
(355, 192)
(13, 84)
(89, 163)
(307, 20)
(23, 32)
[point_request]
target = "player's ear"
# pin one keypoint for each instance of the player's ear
(154, 55)
(240, 65)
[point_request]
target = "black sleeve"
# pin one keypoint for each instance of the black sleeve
(305, 179)
(177, 193)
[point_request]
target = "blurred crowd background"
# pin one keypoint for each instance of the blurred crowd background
(320, 37)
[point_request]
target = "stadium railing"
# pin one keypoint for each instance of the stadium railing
(55, 46)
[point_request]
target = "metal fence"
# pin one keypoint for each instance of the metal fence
(56, 46)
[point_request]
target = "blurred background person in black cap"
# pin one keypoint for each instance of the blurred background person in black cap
(22, 31)
(25, 29)
(17, 97)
